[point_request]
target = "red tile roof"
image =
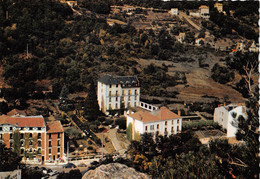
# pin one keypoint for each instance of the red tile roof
(15, 112)
(54, 127)
(158, 115)
(28, 121)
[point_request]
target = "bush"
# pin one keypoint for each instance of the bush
(221, 74)
(90, 142)
(121, 122)
(90, 148)
(108, 122)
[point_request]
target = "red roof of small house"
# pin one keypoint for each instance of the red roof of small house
(28, 121)
(54, 127)
(157, 115)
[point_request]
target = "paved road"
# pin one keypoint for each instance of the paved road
(115, 141)
(186, 17)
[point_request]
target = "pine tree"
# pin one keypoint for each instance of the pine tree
(91, 108)
(248, 132)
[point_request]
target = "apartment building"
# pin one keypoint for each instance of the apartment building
(158, 122)
(227, 116)
(36, 140)
(115, 93)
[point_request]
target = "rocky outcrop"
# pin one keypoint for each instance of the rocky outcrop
(114, 171)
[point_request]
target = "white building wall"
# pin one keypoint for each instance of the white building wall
(109, 96)
(226, 120)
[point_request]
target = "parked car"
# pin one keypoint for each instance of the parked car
(54, 172)
(69, 165)
(82, 165)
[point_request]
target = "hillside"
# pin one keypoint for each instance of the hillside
(47, 41)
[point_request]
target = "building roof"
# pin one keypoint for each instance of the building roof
(157, 115)
(204, 7)
(28, 121)
(15, 112)
(126, 81)
(54, 127)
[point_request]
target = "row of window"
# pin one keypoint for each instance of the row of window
(158, 126)
(22, 128)
(58, 150)
(118, 98)
(123, 93)
(30, 136)
(117, 107)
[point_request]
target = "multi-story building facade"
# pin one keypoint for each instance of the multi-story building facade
(116, 93)
(158, 122)
(227, 116)
(32, 137)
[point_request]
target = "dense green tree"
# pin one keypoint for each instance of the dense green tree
(64, 92)
(221, 74)
(91, 107)
(9, 160)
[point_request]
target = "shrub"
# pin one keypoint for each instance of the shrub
(90, 148)
(121, 122)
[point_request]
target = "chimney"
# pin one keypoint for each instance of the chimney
(179, 113)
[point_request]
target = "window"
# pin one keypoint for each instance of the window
(30, 143)
(116, 106)
(135, 97)
(21, 136)
(166, 123)
(22, 143)
(110, 106)
(129, 92)
(123, 92)
(158, 126)
(11, 136)
(109, 93)
(30, 135)
(109, 99)
(11, 128)
(22, 128)
(49, 143)
(30, 128)
(172, 129)
(11, 144)
(1, 128)
(116, 99)
(58, 135)
(117, 85)
(128, 104)
(58, 142)
(39, 135)
(1, 137)
(22, 151)
(58, 150)
(39, 144)
(110, 86)
(165, 129)
(152, 127)
(49, 150)
(58, 156)
(116, 93)
(172, 122)
(129, 98)
(49, 136)
(39, 128)
(146, 128)
(135, 92)
(135, 104)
